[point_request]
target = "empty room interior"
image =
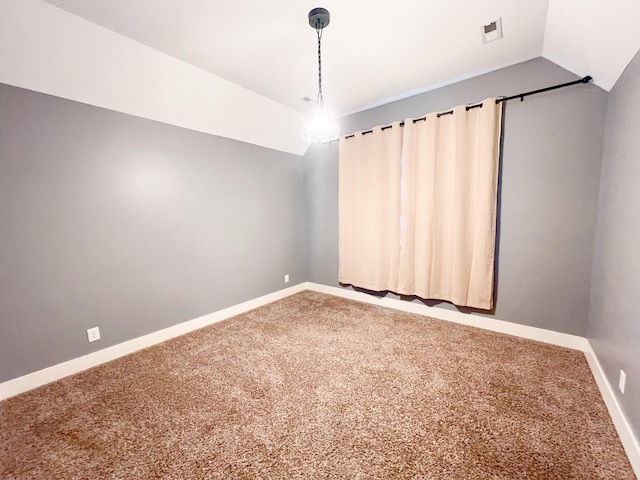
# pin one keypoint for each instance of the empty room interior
(197, 280)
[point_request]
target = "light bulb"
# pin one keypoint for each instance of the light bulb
(320, 129)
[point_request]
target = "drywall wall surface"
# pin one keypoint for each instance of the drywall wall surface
(321, 196)
(549, 191)
(131, 225)
(614, 321)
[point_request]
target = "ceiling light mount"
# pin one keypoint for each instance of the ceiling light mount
(319, 18)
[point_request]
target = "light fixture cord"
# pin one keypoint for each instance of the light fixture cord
(319, 100)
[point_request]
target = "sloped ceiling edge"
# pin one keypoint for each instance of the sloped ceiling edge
(593, 38)
(40, 50)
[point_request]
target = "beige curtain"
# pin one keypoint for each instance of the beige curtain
(447, 215)
(369, 208)
(449, 195)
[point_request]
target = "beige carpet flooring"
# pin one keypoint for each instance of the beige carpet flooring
(318, 387)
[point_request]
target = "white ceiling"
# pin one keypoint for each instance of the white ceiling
(183, 62)
(373, 50)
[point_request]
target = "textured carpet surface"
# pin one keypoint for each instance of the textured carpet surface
(315, 386)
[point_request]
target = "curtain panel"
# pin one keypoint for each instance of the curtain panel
(370, 167)
(417, 206)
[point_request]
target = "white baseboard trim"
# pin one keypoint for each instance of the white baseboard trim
(533, 333)
(627, 437)
(30, 381)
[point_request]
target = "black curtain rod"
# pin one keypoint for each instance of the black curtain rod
(521, 96)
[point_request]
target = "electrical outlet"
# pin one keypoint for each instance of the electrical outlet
(622, 381)
(93, 334)
(286, 278)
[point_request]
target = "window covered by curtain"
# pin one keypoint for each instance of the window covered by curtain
(420, 218)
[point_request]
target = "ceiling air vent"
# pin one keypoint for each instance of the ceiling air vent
(492, 31)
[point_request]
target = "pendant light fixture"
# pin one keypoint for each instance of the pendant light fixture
(320, 128)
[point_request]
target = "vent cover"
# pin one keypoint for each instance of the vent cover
(492, 31)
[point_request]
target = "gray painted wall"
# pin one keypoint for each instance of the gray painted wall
(131, 225)
(550, 174)
(614, 320)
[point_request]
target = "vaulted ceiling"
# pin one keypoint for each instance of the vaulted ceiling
(241, 69)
